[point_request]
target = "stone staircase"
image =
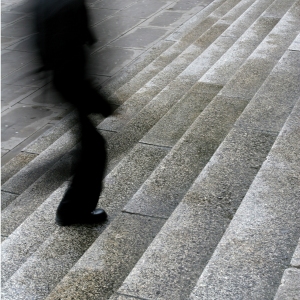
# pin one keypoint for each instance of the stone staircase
(202, 187)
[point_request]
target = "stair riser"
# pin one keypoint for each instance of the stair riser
(169, 129)
(41, 164)
(137, 102)
(191, 54)
(220, 187)
(25, 204)
(230, 62)
(253, 73)
(24, 183)
(12, 168)
(265, 230)
(188, 36)
(75, 272)
(118, 189)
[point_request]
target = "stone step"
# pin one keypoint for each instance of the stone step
(119, 145)
(26, 203)
(257, 247)
(174, 261)
(171, 76)
(32, 151)
(171, 127)
(170, 95)
(226, 67)
(167, 181)
(115, 230)
(47, 138)
(35, 170)
(59, 129)
(84, 268)
(245, 82)
(38, 241)
(48, 141)
(181, 39)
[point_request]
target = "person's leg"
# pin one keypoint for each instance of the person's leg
(86, 186)
(81, 198)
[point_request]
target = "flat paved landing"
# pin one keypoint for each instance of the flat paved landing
(125, 30)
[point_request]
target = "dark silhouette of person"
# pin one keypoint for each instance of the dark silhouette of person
(62, 32)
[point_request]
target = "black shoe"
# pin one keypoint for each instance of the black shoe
(96, 216)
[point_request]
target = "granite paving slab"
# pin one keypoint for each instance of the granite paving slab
(174, 176)
(112, 59)
(169, 129)
(30, 235)
(99, 15)
(165, 19)
(144, 9)
(172, 264)
(118, 4)
(19, 29)
(12, 94)
(264, 232)
(9, 17)
(118, 188)
(229, 63)
(139, 38)
(14, 60)
(45, 96)
(26, 44)
(27, 75)
(105, 265)
(255, 70)
(107, 31)
(20, 121)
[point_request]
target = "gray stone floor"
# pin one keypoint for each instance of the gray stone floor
(125, 30)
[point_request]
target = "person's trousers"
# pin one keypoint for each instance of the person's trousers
(86, 186)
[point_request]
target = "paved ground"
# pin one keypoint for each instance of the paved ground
(202, 185)
(125, 30)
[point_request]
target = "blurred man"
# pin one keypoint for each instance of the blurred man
(62, 33)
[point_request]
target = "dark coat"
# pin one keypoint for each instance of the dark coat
(62, 29)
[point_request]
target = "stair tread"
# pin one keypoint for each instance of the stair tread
(264, 232)
(177, 252)
(118, 188)
(159, 141)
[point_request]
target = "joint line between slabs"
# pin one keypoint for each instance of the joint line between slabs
(143, 215)
(9, 192)
(135, 297)
(159, 146)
